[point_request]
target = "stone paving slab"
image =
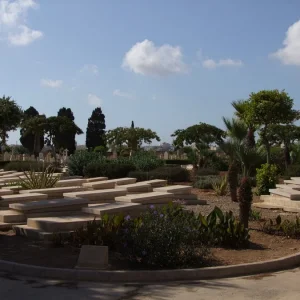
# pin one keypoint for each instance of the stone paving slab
(98, 185)
(138, 187)
(54, 192)
(11, 216)
(4, 192)
(70, 182)
(290, 194)
(19, 198)
(175, 189)
(96, 179)
(156, 182)
(57, 224)
(97, 195)
(147, 198)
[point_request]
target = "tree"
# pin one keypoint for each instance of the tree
(95, 132)
(267, 108)
(286, 135)
(132, 137)
(10, 117)
(202, 135)
(27, 140)
(35, 126)
(58, 127)
(66, 139)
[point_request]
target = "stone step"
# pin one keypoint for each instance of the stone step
(11, 216)
(70, 182)
(281, 202)
(59, 224)
(175, 189)
(33, 233)
(15, 174)
(4, 192)
(3, 173)
(290, 194)
(50, 205)
(96, 179)
(156, 182)
(10, 180)
(123, 181)
(14, 188)
(288, 186)
(99, 185)
(139, 187)
(20, 198)
(56, 192)
(114, 208)
(288, 182)
(98, 195)
(147, 198)
(266, 205)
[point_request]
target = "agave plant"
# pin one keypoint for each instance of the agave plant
(39, 180)
(220, 187)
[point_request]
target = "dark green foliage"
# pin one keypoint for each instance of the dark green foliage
(80, 159)
(95, 132)
(101, 149)
(216, 162)
(222, 229)
(292, 171)
(254, 215)
(220, 187)
(177, 161)
(245, 200)
(206, 172)
(146, 161)
(140, 175)
(111, 169)
(27, 140)
(233, 181)
(266, 178)
(21, 166)
(66, 138)
(206, 182)
(287, 228)
(4, 163)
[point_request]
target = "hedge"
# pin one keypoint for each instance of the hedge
(21, 166)
(177, 162)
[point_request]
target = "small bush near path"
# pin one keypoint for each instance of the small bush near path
(266, 178)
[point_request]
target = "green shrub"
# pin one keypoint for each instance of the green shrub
(172, 174)
(21, 166)
(101, 149)
(80, 159)
(178, 162)
(4, 163)
(222, 229)
(206, 172)
(266, 178)
(146, 161)
(292, 171)
(108, 169)
(255, 215)
(41, 180)
(206, 182)
(140, 175)
(287, 227)
(220, 187)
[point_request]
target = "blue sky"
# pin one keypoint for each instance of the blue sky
(164, 64)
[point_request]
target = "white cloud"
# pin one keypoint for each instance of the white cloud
(25, 37)
(51, 83)
(228, 62)
(147, 59)
(94, 100)
(90, 68)
(289, 54)
(119, 93)
(13, 20)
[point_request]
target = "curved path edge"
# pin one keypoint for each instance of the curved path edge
(284, 263)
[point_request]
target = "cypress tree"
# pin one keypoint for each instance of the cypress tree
(95, 132)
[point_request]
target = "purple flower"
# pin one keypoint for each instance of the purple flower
(127, 218)
(152, 206)
(155, 212)
(144, 253)
(161, 215)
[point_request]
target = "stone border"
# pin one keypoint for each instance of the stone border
(283, 263)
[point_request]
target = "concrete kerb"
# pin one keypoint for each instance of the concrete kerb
(288, 262)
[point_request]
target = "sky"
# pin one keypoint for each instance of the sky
(165, 64)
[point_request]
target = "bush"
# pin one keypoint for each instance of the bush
(101, 149)
(172, 174)
(140, 175)
(21, 166)
(220, 187)
(146, 161)
(206, 172)
(80, 159)
(292, 171)
(206, 182)
(4, 163)
(178, 162)
(266, 178)
(108, 169)
(287, 227)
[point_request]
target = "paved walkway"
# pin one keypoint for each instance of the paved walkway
(277, 286)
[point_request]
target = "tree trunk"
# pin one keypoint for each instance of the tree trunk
(37, 145)
(268, 150)
(250, 139)
(287, 156)
(233, 194)
(244, 214)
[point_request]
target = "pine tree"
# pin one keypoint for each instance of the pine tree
(95, 132)
(28, 140)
